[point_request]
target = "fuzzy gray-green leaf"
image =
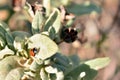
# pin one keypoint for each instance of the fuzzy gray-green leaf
(75, 60)
(44, 75)
(74, 73)
(15, 74)
(2, 43)
(4, 25)
(84, 8)
(7, 64)
(53, 20)
(52, 33)
(47, 5)
(9, 40)
(6, 52)
(2, 31)
(20, 34)
(56, 3)
(37, 22)
(98, 63)
(46, 46)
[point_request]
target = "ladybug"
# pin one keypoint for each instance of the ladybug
(33, 51)
(69, 35)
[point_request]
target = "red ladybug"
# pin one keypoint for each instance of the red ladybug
(33, 51)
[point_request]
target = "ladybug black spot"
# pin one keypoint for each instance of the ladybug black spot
(35, 50)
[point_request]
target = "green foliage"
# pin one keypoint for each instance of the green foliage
(57, 3)
(20, 34)
(86, 8)
(53, 20)
(98, 63)
(5, 36)
(75, 73)
(37, 22)
(63, 68)
(26, 56)
(9, 40)
(47, 5)
(52, 33)
(5, 52)
(10, 69)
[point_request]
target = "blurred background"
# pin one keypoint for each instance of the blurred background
(99, 24)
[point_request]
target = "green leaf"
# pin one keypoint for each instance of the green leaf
(57, 23)
(15, 74)
(55, 67)
(74, 74)
(36, 65)
(60, 75)
(2, 31)
(44, 75)
(20, 38)
(62, 60)
(5, 35)
(57, 70)
(9, 40)
(57, 39)
(75, 60)
(20, 34)
(57, 3)
(47, 5)
(8, 64)
(51, 69)
(53, 20)
(46, 46)
(19, 43)
(52, 76)
(37, 22)
(35, 68)
(52, 33)
(2, 43)
(98, 63)
(84, 8)
(6, 52)
(46, 33)
(4, 26)
(2, 35)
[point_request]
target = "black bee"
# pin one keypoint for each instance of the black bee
(68, 35)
